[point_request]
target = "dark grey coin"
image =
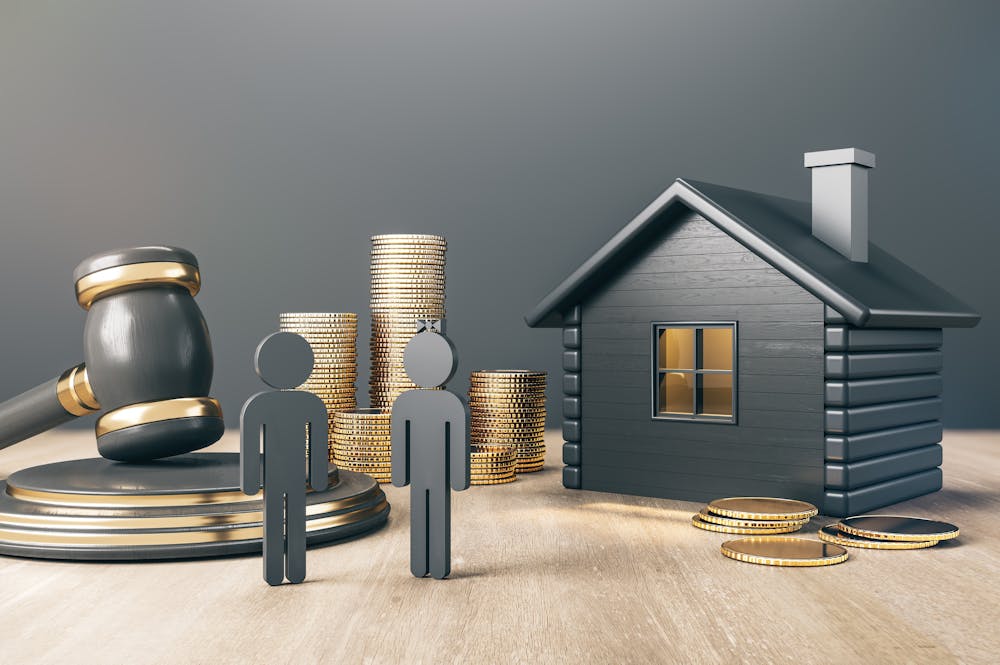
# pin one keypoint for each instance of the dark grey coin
(896, 527)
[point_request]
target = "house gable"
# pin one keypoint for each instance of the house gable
(882, 292)
(688, 269)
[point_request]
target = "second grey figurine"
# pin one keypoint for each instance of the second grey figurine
(275, 421)
(430, 450)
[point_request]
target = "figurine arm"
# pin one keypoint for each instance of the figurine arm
(457, 431)
(319, 445)
(251, 439)
(400, 445)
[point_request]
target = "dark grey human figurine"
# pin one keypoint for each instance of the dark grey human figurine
(430, 449)
(276, 421)
(148, 361)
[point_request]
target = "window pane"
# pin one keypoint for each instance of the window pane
(677, 393)
(716, 394)
(717, 348)
(677, 348)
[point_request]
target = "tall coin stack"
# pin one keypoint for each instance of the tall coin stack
(407, 285)
(333, 338)
(362, 442)
(508, 408)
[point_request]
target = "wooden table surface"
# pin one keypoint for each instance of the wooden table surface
(540, 575)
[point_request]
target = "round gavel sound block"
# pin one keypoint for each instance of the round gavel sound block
(148, 353)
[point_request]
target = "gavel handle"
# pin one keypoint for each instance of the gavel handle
(46, 406)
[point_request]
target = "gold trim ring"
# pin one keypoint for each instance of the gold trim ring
(96, 285)
(74, 393)
(151, 412)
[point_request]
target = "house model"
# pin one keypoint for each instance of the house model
(730, 343)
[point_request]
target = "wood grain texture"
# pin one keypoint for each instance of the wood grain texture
(541, 575)
(779, 377)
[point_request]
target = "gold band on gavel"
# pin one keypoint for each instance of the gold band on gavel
(136, 275)
(151, 412)
(74, 393)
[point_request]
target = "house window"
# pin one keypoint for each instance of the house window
(694, 371)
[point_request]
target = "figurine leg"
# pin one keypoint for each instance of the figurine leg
(440, 533)
(418, 532)
(295, 535)
(274, 537)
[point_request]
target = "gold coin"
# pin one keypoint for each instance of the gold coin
(399, 237)
(506, 454)
(895, 527)
(491, 448)
(743, 530)
(508, 373)
(831, 534)
(367, 414)
(708, 516)
(360, 441)
(518, 435)
(352, 458)
(762, 508)
(318, 316)
(784, 551)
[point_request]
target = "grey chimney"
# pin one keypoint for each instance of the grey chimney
(840, 199)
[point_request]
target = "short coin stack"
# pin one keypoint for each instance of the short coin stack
(508, 408)
(362, 441)
(754, 515)
(407, 273)
(888, 532)
(493, 465)
(333, 338)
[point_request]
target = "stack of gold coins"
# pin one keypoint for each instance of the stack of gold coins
(333, 338)
(362, 442)
(407, 285)
(508, 408)
(493, 465)
(754, 515)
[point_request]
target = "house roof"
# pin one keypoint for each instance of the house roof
(884, 292)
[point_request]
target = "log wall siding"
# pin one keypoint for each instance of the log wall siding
(882, 416)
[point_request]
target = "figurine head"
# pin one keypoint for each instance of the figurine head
(430, 359)
(283, 360)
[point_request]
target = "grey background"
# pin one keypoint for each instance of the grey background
(272, 138)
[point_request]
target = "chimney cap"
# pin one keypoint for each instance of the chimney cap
(841, 156)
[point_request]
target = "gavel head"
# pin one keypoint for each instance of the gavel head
(147, 352)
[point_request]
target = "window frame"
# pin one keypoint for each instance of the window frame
(657, 326)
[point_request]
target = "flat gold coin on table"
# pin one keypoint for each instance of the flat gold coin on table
(707, 516)
(895, 527)
(742, 530)
(832, 534)
(784, 551)
(762, 508)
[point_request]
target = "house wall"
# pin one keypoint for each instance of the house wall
(695, 272)
(883, 410)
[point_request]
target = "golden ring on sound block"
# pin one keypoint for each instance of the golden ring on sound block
(158, 500)
(74, 393)
(136, 275)
(89, 523)
(224, 534)
(151, 412)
